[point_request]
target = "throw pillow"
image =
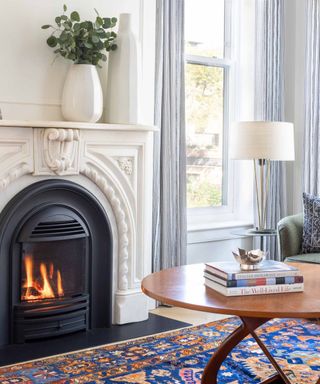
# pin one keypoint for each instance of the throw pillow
(311, 224)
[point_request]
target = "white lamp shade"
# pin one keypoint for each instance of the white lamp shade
(272, 140)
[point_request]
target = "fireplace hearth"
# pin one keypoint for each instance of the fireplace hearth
(58, 246)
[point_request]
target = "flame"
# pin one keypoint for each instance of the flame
(59, 284)
(30, 283)
(47, 292)
(43, 286)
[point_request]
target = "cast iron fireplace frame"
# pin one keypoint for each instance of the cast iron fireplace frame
(67, 194)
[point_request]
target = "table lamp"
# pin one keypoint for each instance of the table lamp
(263, 142)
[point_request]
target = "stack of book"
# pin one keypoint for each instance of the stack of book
(271, 277)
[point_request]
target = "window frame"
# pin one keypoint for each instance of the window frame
(224, 212)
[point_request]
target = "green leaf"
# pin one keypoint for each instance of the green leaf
(75, 16)
(114, 47)
(95, 39)
(64, 36)
(99, 21)
(67, 25)
(88, 45)
(46, 26)
(102, 34)
(58, 20)
(64, 8)
(84, 25)
(106, 22)
(52, 41)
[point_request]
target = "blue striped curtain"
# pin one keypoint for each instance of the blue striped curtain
(169, 192)
(312, 97)
(269, 99)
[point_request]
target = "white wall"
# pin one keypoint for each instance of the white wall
(30, 83)
(294, 61)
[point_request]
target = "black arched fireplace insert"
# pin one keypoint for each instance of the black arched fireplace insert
(56, 263)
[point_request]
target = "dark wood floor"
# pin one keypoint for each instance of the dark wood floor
(37, 349)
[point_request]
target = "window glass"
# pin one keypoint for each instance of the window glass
(204, 32)
(204, 120)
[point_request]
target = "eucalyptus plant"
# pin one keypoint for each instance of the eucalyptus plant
(83, 42)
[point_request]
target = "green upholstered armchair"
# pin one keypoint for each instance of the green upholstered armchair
(290, 230)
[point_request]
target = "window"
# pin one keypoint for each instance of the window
(208, 65)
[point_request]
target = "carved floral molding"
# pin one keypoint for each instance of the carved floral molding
(126, 165)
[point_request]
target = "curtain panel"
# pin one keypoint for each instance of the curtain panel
(312, 107)
(269, 99)
(169, 192)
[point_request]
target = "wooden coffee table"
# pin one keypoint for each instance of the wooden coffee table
(184, 287)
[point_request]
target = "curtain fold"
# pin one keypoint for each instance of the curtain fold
(269, 99)
(169, 230)
(312, 106)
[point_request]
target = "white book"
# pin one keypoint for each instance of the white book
(256, 290)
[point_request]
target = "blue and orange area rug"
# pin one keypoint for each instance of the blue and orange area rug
(179, 357)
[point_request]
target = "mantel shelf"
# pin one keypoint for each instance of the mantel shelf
(76, 125)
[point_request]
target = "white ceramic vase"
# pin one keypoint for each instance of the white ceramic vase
(82, 98)
(122, 100)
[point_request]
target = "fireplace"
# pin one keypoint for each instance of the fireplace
(101, 176)
(58, 246)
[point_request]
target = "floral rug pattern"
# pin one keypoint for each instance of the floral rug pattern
(180, 356)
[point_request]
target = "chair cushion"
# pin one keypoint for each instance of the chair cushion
(311, 224)
(305, 258)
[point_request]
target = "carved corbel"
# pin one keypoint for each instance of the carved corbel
(60, 151)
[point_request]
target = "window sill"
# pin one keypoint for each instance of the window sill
(215, 231)
(219, 225)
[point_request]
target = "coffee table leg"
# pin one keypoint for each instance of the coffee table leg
(211, 370)
(248, 326)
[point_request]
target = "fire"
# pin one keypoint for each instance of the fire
(47, 291)
(45, 285)
(59, 284)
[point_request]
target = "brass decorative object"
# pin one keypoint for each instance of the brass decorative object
(249, 260)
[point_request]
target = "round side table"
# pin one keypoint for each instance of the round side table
(256, 233)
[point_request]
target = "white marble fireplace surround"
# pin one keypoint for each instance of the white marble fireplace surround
(114, 162)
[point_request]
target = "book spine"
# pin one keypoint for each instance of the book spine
(251, 275)
(254, 282)
(266, 275)
(265, 290)
(257, 290)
